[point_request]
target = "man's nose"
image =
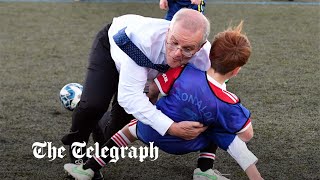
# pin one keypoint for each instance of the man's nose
(178, 52)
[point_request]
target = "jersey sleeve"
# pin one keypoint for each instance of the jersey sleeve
(245, 127)
(164, 81)
(234, 118)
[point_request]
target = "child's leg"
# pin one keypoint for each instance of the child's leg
(173, 8)
(207, 157)
(204, 170)
(122, 138)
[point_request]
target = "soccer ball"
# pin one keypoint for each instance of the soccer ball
(70, 95)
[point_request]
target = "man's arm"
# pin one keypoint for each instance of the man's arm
(132, 80)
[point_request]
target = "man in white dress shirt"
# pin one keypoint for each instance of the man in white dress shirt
(116, 69)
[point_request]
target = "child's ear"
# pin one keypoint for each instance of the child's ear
(236, 71)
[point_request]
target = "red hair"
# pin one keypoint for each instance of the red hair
(230, 49)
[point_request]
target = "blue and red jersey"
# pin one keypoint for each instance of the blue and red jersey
(192, 95)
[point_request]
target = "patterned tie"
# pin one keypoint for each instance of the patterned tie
(127, 46)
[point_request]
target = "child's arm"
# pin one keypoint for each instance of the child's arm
(153, 92)
(247, 134)
(245, 158)
(253, 173)
(163, 4)
(163, 83)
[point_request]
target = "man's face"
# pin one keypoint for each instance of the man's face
(181, 45)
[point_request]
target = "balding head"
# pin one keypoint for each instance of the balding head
(192, 20)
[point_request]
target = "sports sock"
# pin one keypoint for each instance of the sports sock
(205, 161)
(117, 140)
(206, 157)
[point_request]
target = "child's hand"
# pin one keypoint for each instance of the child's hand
(153, 93)
(163, 4)
(197, 2)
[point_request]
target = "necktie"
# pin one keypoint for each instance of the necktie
(127, 46)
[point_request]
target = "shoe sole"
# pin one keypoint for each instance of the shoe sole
(69, 176)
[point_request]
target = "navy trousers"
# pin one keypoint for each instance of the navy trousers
(100, 87)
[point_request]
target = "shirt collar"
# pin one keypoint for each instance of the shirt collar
(163, 51)
(216, 83)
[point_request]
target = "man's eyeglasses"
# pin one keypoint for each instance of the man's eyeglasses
(184, 51)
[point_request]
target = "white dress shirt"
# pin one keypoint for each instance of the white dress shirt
(148, 34)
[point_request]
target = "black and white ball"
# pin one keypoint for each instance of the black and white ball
(70, 95)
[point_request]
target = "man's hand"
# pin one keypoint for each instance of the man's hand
(163, 4)
(186, 129)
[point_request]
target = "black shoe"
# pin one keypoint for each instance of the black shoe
(71, 137)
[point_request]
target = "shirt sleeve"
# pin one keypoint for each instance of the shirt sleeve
(201, 59)
(245, 127)
(132, 81)
(234, 118)
(164, 81)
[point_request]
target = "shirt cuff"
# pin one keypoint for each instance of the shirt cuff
(161, 124)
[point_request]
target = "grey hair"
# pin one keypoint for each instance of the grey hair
(192, 20)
